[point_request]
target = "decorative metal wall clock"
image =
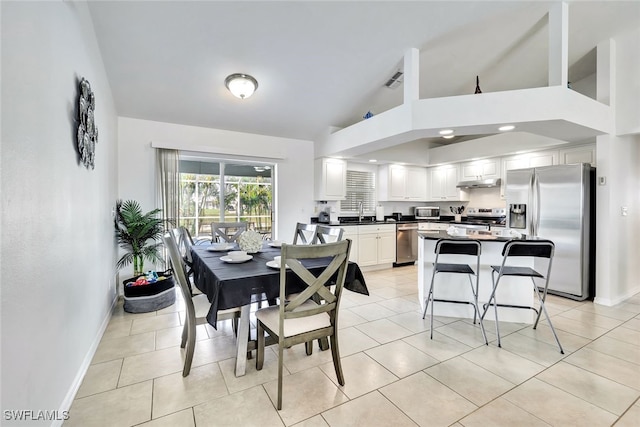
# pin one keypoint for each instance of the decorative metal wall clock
(87, 130)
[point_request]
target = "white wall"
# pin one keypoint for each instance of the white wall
(618, 157)
(628, 83)
(58, 250)
(618, 248)
(294, 170)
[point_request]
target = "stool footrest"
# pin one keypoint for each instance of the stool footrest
(526, 307)
(454, 301)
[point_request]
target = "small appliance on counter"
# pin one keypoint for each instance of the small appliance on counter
(323, 217)
(426, 212)
(397, 216)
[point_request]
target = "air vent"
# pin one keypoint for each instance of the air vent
(395, 80)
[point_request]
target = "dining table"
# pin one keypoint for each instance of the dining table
(241, 284)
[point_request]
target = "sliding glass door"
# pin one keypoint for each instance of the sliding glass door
(216, 191)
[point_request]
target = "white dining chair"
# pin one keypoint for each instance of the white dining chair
(227, 231)
(305, 234)
(328, 234)
(302, 318)
(196, 307)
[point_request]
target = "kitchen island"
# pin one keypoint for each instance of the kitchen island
(512, 290)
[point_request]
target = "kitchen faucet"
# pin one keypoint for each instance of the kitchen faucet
(360, 211)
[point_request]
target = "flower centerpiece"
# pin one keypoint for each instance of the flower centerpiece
(250, 241)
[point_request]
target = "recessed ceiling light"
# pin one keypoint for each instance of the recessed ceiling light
(372, 160)
(448, 136)
(446, 132)
(506, 128)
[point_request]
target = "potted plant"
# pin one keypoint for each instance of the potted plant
(138, 234)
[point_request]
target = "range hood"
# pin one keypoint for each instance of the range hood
(480, 183)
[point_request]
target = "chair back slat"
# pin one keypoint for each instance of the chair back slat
(184, 242)
(179, 274)
(458, 247)
(327, 234)
(535, 248)
(315, 285)
(305, 234)
(227, 232)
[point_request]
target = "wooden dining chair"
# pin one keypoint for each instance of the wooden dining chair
(196, 307)
(305, 234)
(302, 318)
(227, 231)
(327, 234)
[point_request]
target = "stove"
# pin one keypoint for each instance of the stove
(487, 216)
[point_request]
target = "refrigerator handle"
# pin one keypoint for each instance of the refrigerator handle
(535, 221)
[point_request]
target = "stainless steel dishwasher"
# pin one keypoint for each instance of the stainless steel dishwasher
(406, 243)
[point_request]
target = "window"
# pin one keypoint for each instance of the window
(361, 187)
(220, 191)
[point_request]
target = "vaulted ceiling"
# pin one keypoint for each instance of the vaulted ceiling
(322, 65)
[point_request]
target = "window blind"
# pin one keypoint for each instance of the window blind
(361, 187)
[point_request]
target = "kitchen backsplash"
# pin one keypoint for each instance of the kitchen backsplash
(478, 198)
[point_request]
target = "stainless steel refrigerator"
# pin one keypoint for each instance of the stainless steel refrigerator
(558, 203)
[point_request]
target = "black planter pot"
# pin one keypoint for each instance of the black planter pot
(149, 297)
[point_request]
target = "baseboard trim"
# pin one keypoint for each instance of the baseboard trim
(609, 302)
(82, 371)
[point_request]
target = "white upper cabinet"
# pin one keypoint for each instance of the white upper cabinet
(330, 179)
(542, 158)
(402, 183)
(442, 184)
(527, 160)
(416, 184)
(579, 154)
(480, 169)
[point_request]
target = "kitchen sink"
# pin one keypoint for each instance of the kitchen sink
(357, 221)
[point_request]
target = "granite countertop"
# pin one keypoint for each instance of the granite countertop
(370, 220)
(377, 222)
(442, 234)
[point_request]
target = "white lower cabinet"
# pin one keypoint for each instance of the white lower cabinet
(351, 232)
(376, 244)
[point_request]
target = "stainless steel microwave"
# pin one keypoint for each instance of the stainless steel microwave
(426, 212)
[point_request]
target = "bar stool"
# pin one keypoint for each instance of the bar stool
(457, 247)
(536, 249)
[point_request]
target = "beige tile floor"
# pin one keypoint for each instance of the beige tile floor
(395, 375)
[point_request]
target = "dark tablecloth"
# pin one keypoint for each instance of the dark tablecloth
(233, 285)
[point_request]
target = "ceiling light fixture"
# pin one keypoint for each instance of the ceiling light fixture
(372, 160)
(446, 132)
(241, 85)
(448, 136)
(506, 128)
